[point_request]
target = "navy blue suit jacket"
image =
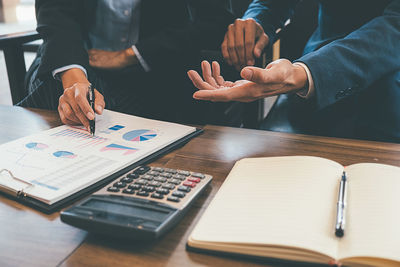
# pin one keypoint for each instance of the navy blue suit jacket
(356, 43)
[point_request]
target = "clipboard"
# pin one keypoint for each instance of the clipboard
(22, 197)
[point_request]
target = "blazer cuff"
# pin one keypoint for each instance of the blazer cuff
(310, 92)
(144, 64)
(68, 67)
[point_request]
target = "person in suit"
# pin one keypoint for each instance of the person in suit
(347, 83)
(131, 51)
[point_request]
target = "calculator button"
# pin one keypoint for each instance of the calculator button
(191, 184)
(196, 180)
(158, 169)
(178, 194)
(170, 170)
(142, 170)
(154, 173)
(166, 174)
(179, 176)
(157, 195)
(113, 189)
(175, 181)
(141, 181)
(162, 191)
(186, 173)
(134, 186)
(174, 199)
(133, 175)
(168, 186)
(160, 179)
(120, 184)
(154, 183)
(198, 175)
(184, 188)
(148, 188)
(142, 193)
(126, 180)
(128, 191)
(147, 177)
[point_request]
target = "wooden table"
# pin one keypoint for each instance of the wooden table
(30, 238)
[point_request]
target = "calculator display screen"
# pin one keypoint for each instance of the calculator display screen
(128, 210)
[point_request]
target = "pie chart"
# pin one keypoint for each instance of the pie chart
(139, 135)
(64, 154)
(36, 146)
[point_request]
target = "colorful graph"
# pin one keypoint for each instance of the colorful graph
(114, 147)
(80, 137)
(116, 127)
(139, 135)
(36, 146)
(64, 154)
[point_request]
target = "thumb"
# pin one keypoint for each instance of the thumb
(253, 74)
(260, 45)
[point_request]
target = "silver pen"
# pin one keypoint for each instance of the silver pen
(341, 207)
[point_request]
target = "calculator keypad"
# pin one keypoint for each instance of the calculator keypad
(157, 183)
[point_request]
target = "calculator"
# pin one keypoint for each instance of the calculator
(142, 204)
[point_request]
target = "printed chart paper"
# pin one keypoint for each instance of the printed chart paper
(65, 159)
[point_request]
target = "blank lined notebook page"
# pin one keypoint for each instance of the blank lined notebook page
(373, 217)
(288, 201)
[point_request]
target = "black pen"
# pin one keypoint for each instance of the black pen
(91, 103)
(341, 207)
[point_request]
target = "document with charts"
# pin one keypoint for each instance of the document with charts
(56, 163)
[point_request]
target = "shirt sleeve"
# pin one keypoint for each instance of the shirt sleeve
(311, 89)
(68, 67)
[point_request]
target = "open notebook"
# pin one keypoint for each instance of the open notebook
(285, 207)
(47, 167)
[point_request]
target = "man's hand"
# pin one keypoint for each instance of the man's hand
(73, 107)
(279, 77)
(244, 41)
(112, 59)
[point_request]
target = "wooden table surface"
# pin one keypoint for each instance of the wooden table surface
(31, 238)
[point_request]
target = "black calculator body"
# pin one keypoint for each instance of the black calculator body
(142, 204)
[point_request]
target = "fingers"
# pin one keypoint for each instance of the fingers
(239, 42)
(257, 75)
(99, 103)
(207, 75)
(216, 70)
(74, 107)
(231, 46)
(198, 81)
(224, 50)
(262, 42)
(249, 39)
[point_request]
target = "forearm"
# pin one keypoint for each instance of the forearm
(72, 76)
(350, 65)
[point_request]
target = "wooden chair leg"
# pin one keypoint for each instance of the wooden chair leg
(16, 70)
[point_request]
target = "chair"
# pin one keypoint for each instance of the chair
(14, 45)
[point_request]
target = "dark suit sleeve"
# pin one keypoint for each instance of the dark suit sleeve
(349, 65)
(271, 14)
(204, 30)
(59, 23)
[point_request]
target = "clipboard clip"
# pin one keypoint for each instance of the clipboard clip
(20, 193)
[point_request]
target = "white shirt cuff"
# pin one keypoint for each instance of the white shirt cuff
(68, 67)
(311, 89)
(144, 64)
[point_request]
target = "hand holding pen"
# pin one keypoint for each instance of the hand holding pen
(74, 107)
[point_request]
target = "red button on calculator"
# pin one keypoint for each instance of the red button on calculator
(196, 180)
(191, 184)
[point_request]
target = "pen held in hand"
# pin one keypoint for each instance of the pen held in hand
(91, 100)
